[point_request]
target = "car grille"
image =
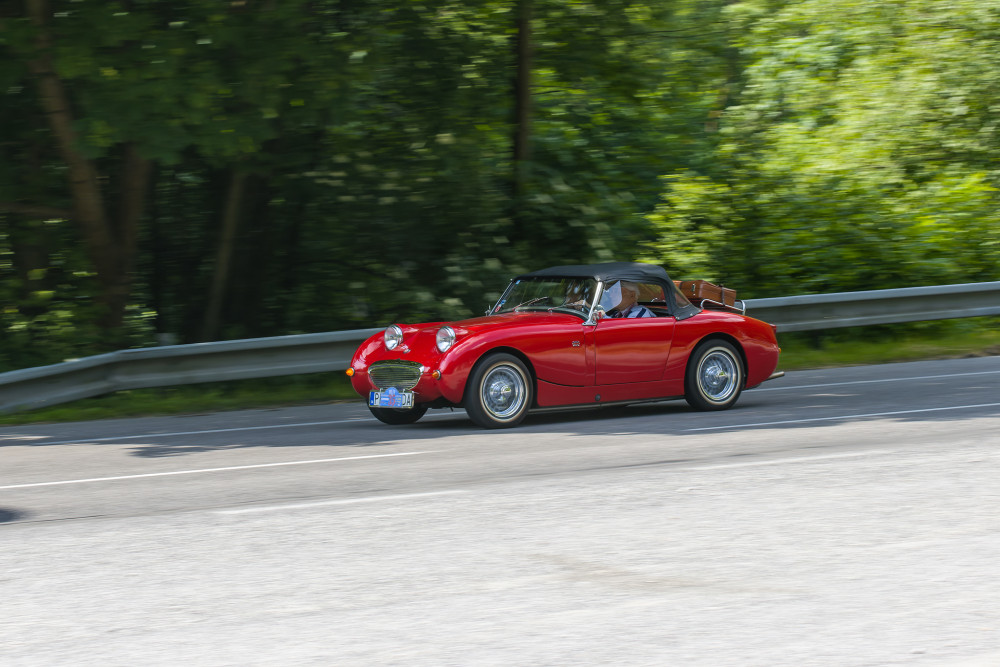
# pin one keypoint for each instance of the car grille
(403, 375)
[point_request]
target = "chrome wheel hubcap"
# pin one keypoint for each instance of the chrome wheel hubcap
(718, 376)
(503, 392)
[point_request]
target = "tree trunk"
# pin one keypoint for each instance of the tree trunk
(111, 250)
(521, 137)
(137, 173)
(522, 93)
(224, 256)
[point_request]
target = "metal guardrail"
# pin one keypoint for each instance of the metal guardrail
(178, 365)
(323, 352)
(811, 312)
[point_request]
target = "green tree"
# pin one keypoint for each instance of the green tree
(121, 88)
(257, 168)
(858, 154)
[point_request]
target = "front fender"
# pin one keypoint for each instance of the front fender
(457, 365)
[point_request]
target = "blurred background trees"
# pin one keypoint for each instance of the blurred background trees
(860, 152)
(186, 171)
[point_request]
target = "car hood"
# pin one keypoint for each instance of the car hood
(491, 323)
(510, 320)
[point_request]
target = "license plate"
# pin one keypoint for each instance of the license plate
(391, 398)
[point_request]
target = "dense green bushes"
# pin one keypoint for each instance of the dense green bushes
(192, 171)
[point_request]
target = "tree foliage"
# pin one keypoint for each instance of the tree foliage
(202, 169)
(859, 155)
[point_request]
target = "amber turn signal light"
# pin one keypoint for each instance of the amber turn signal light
(350, 372)
(436, 375)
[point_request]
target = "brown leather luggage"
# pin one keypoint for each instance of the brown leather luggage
(699, 290)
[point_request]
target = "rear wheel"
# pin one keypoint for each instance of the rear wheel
(499, 392)
(715, 376)
(397, 416)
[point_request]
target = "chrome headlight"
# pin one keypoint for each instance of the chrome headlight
(445, 338)
(393, 337)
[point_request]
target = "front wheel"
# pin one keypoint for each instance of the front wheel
(499, 391)
(399, 416)
(714, 377)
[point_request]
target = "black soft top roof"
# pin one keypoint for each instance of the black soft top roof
(631, 271)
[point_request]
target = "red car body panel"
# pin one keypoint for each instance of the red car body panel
(573, 363)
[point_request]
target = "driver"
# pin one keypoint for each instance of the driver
(577, 296)
(629, 306)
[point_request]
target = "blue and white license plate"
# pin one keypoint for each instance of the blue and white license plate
(391, 398)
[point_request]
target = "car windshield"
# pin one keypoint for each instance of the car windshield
(563, 294)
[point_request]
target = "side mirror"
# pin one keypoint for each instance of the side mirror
(596, 315)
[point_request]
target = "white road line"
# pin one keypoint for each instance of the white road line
(206, 470)
(799, 459)
(842, 384)
(83, 441)
(345, 501)
(842, 417)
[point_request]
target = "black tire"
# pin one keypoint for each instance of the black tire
(715, 376)
(499, 391)
(399, 416)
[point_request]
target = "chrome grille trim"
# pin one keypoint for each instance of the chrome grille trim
(403, 375)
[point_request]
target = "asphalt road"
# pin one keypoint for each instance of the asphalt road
(843, 518)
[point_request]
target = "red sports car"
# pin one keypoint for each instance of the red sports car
(586, 335)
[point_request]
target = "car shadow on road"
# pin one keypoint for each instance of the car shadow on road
(8, 515)
(675, 419)
(672, 419)
(344, 426)
(371, 433)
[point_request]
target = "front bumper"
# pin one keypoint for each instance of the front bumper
(446, 390)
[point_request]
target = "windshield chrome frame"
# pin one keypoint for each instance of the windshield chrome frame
(493, 310)
(588, 320)
(598, 292)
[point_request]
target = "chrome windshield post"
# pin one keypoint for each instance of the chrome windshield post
(591, 315)
(501, 300)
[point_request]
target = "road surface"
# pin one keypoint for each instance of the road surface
(845, 517)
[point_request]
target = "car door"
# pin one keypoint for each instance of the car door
(632, 350)
(557, 350)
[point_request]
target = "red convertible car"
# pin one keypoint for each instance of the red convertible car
(584, 336)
